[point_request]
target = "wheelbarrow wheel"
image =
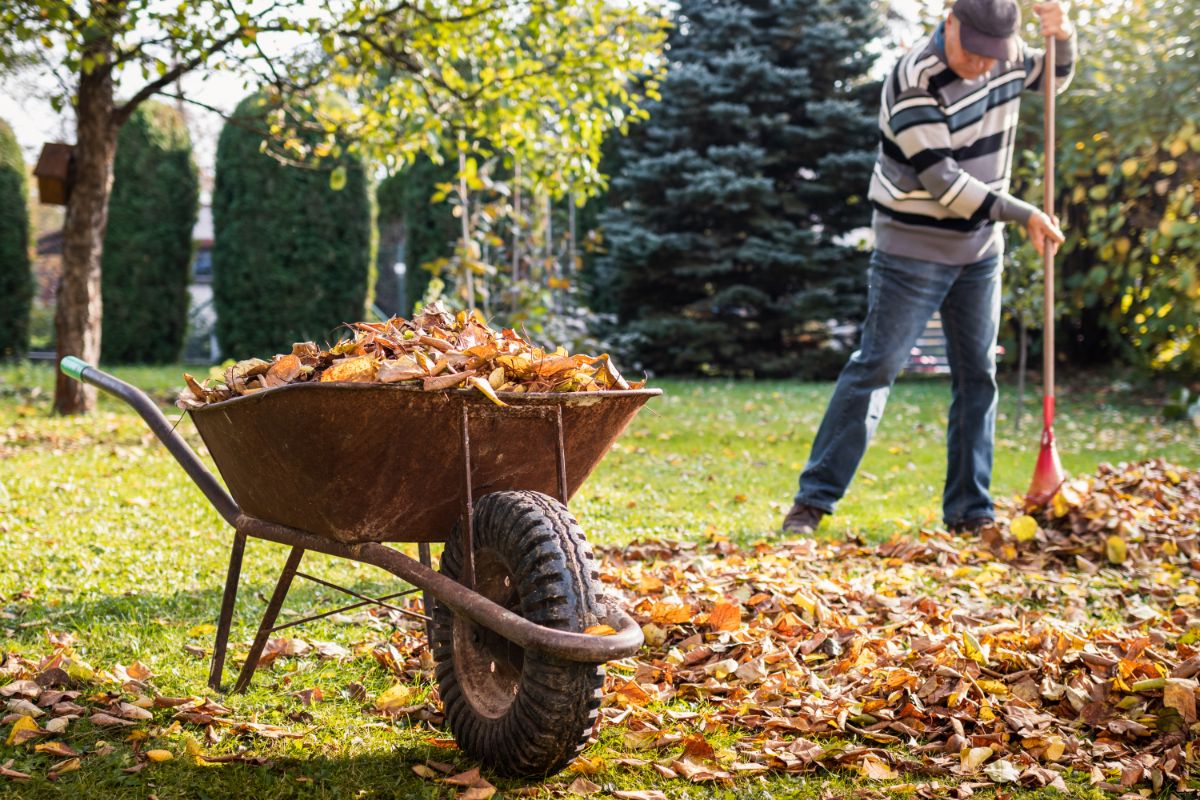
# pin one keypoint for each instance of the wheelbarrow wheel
(518, 712)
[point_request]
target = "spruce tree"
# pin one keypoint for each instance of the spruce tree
(723, 224)
(16, 275)
(148, 244)
(291, 254)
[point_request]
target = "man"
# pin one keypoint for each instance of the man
(940, 193)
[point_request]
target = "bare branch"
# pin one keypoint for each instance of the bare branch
(167, 78)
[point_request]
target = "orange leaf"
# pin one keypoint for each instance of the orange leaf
(725, 617)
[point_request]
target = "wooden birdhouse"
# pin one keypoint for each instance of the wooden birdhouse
(55, 173)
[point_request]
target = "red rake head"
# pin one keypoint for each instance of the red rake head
(1047, 475)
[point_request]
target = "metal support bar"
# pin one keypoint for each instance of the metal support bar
(426, 597)
(362, 597)
(580, 647)
(469, 511)
(268, 620)
(226, 615)
(350, 607)
(562, 455)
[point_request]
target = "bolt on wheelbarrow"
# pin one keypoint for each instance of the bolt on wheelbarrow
(346, 468)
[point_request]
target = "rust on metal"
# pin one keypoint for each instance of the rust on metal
(468, 515)
(380, 463)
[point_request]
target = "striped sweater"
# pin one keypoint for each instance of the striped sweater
(940, 185)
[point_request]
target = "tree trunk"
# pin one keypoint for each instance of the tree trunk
(77, 315)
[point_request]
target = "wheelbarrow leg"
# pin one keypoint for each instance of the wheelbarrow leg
(268, 620)
(226, 617)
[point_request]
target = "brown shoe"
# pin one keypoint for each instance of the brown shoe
(803, 519)
(973, 525)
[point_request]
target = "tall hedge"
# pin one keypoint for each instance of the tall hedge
(16, 274)
(148, 245)
(390, 295)
(291, 255)
(431, 227)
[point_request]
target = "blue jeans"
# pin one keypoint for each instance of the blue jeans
(903, 293)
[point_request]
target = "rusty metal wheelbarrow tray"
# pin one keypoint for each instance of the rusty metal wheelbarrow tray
(360, 462)
(342, 469)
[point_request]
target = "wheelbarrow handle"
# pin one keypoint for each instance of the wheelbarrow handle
(84, 372)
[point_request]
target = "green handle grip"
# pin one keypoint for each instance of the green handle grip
(73, 367)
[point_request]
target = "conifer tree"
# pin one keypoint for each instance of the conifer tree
(16, 276)
(292, 243)
(146, 262)
(723, 232)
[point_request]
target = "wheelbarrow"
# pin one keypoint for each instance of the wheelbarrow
(517, 621)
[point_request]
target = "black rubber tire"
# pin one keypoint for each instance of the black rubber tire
(517, 712)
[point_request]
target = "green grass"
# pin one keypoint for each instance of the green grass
(104, 537)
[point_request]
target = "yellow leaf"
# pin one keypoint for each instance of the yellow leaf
(600, 630)
(1129, 167)
(202, 630)
(1055, 747)
(995, 687)
(1115, 549)
(973, 758)
(1023, 528)
(878, 770)
(22, 731)
(1059, 505)
(159, 755)
(396, 697)
(70, 765)
(55, 749)
(974, 650)
(487, 390)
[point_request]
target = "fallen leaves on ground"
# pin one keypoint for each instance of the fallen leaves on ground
(1007, 659)
(1021, 657)
(435, 350)
(61, 689)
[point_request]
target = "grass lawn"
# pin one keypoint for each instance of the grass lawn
(106, 540)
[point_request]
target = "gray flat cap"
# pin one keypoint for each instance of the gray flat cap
(989, 27)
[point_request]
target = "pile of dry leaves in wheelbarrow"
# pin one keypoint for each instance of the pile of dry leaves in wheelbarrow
(435, 350)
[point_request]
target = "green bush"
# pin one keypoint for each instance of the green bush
(148, 245)
(431, 229)
(16, 276)
(291, 254)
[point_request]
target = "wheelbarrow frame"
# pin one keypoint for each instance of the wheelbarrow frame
(459, 597)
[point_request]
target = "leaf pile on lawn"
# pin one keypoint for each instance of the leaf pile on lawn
(435, 350)
(1140, 512)
(926, 657)
(47, 699)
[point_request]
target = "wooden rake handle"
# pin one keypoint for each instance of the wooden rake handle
(1048, 85)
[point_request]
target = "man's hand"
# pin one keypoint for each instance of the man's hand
(1054, 20)
(1042, 231)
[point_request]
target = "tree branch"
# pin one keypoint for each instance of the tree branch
(122, 113)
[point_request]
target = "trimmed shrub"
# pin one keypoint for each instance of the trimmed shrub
(16, 274)
(148, 245)
(291, 255)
